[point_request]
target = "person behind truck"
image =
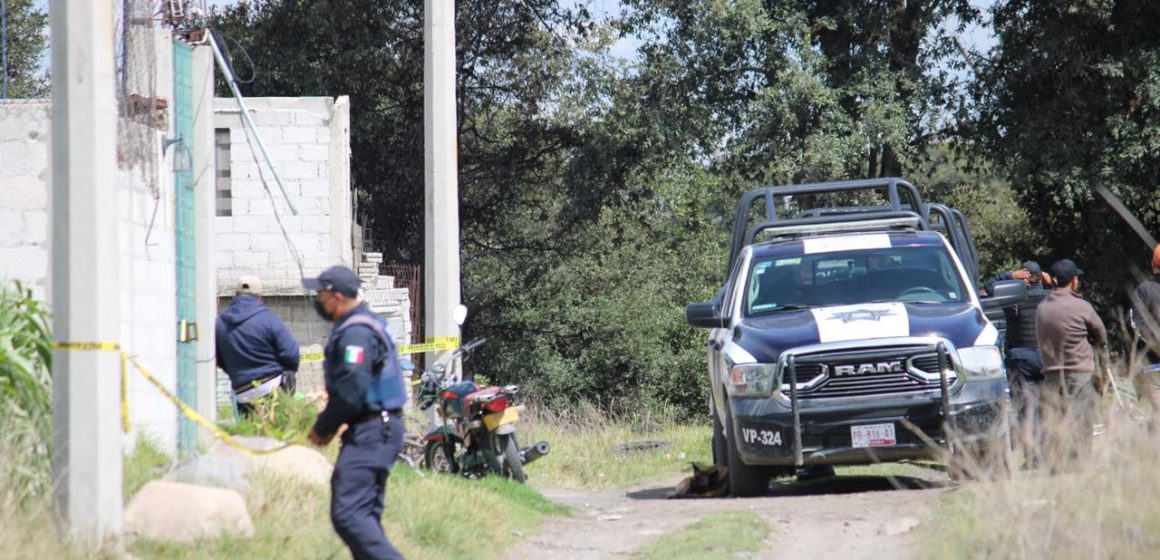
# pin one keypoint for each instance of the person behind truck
(254, 347)
(1145, 318)
(1064, 323)
(1024, 364)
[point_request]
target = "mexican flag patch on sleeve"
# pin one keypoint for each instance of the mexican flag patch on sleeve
(354, 354)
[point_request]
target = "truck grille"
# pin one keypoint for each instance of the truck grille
(860, 373)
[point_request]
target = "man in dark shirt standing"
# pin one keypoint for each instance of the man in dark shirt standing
(365, 391)
(1024, 365)
(1064, 324)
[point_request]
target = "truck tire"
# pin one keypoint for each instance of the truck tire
(745, 481)
(720, 444)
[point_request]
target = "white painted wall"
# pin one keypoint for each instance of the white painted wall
(309, 142)
(24, 204)
(148, 268)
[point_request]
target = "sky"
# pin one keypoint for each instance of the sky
(976, 37)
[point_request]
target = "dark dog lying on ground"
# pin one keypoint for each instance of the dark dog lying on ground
(706, 482)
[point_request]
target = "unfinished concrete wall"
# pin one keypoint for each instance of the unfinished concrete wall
(146, 237)
(148, 243)
(24, 203)
(309, 142)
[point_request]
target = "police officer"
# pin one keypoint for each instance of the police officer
(1024, 364)
(366, 392)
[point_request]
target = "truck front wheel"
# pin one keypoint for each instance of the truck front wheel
(744, 480)
(720, 444)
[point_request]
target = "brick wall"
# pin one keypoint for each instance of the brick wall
(24, 176)
(145, 237)
(148, 304)
(309, 143)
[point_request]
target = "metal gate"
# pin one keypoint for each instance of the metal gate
(186, 263)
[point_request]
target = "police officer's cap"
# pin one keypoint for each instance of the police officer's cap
(335, 279)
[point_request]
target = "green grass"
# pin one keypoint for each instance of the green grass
(717, 535)
(584, 453)
(280, 416)
(432, 517)
(145, 463)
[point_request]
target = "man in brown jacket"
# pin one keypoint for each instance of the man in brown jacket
(1064, 324)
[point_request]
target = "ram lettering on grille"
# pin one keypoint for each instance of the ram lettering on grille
(846, 370)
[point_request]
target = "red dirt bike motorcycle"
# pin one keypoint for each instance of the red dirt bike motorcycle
(478, 435)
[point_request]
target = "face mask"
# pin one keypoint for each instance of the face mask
(318, 308)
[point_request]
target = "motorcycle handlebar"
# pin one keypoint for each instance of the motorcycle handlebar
(475, 343)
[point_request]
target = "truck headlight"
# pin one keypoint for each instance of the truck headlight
(752, 379)
(981, 362)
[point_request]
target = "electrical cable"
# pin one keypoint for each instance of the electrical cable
(274, 204)
(230, 60)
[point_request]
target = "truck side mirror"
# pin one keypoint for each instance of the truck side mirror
(1005, 294)
(705, 315)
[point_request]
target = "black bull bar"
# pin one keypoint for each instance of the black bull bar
(944, 394)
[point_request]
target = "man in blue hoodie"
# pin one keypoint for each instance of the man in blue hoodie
(254, 346)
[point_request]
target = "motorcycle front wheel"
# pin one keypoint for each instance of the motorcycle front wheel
(436, 457)
(511, 465)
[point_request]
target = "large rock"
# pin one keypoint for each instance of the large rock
(212, 470)
(177, 512)
(296, 461)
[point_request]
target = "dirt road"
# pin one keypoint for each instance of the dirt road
(847, 517)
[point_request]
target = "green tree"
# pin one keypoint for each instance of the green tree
(1071, 95)
(780, 92)
(26, 45)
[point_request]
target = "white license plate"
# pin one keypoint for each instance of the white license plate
(873, 435)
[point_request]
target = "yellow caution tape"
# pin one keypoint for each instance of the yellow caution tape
(87, 346)
(126, 424)
(193, 415)
(184, 408)
(433, 344)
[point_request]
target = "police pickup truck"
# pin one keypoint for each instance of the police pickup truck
(851, 335)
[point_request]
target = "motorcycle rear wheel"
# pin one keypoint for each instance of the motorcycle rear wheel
(511, 464)
(436, 458)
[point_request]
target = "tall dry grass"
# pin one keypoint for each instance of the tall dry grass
(1071, 504)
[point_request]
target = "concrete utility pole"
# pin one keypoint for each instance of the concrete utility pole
(202, 145)
(86, 302)
(440, 169)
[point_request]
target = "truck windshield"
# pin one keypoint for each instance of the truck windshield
(918, 274)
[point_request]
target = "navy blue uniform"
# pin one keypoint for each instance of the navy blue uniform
(354, 358)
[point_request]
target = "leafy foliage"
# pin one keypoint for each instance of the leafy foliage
(280, 416)
(25, 393)
(596, 192)
(1071, 96)
(27, 32)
